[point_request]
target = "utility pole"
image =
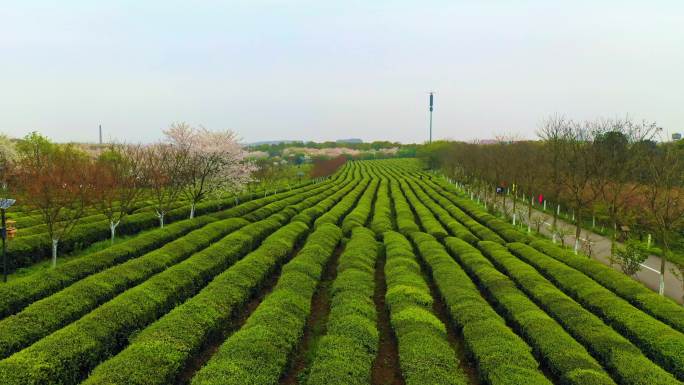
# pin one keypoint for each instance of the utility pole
(100, 134)
(431, 108)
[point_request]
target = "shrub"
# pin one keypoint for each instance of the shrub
(502, 357)
(566, 358)
(382, 214)
(18, 293)
(624, 361)
(359, 215)
(345, 354)
(163, 349)
(657, 340)
(636, 293)
(68, 354)
(425, 355)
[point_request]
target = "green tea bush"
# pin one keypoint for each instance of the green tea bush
(637, 294)
(159, 353)
(501, 356)
(425, 355)
(345, 354)
(258, 352)
(624, 361)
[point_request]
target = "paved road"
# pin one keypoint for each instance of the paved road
(649, 274)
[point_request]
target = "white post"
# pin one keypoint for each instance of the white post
(648, 241)
(558, 210)
(593, 222)
(544, 204)
(513, 219)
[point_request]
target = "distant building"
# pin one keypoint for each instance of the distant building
(352, 140)
(676, 136)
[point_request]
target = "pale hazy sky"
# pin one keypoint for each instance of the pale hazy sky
(324, 70)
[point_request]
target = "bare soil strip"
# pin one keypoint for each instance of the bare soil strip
(315, 325)
(386, 370)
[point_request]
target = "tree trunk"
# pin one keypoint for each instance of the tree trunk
(112, 229)
(161, 219)
(661, 286)
(613, 245)
(663, 258)
(555, 216)
(529, 214)
(192, 210)
(54, 252)
(578, 233)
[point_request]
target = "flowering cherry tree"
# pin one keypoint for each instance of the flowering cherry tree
(216, 162)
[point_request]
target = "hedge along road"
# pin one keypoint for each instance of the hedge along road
(600, 251)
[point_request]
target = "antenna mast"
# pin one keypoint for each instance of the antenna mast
(431, 108)
(100, 126)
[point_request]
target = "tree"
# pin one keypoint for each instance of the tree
(53, 179)
(616, 159)
(664, 195)
(164, 173)
(118, 182)
(578, 169)
(215, 162)
(553, 132)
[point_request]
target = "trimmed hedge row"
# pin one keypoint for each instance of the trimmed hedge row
(502, 357)
(51, 313)
(425, 217)
(566, 358)
(403, 214)
(474, 226)
(382, 212)
(359, 215)
(345, 354)
(162, 350)
(633, 291)
(658, 341)
(455, 227)
(344, 206)
(624, 361)
(310, 214)
(66, 356)
(258, 353)
(17, 294)
(502, 228)
(425, 355)
(280, 202)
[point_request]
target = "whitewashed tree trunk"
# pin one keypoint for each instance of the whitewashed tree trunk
(661, 286)
(192, 210)
(54, 252)
(112, 228)
(577, 244)
(160, 215)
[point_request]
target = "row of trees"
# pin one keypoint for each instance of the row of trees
(61, 181)
(611, 170)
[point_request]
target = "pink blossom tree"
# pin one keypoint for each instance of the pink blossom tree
(216, 162)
